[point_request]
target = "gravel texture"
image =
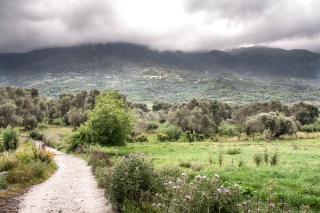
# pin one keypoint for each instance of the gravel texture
(72, 188)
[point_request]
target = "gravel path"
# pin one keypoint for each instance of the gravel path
(72, 188)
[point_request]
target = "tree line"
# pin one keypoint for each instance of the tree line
(25, 107)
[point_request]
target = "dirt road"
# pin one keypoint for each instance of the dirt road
(72, 188)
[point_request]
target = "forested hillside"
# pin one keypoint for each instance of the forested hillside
(240, 75)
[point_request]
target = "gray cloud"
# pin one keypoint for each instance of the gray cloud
(188, 25)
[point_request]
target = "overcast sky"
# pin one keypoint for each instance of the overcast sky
(187, 25)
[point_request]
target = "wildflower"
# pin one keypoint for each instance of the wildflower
(244, 203)
(203, 193)
(153, 204)
(198, 177)
(219, 190)
(137, 168)
(174, 187)
(236, 185)
(156, 194)
(112, 173)
(191, 183)
(126, 173)
(170, 183)
(249, 210)
(179, 180)
(272, 205)
(216, 176)
(204, 177)
(159, 205)
(226, 191)
(184, 174)
(111, 185)
(238, 204)
(188, 197)
(249, 201)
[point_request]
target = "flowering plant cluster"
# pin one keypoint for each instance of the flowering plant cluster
(133, 185)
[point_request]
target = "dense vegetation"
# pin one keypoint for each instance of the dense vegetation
(108, 119)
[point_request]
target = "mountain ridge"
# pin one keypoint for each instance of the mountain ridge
(257, 60)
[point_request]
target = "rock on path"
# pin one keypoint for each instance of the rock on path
(72, 188)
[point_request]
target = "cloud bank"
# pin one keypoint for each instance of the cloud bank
(188, 25)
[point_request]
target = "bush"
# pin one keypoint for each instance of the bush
(189, 136)
(35, 134)
(202, 195)
(10, 137)
(274, 159)
(99, 158)
(3, 182)
(185, 164)
(197, 166)
(42, 125)
(153, 125)
(162, 137)
(58, 122)
(172, 131)
(200, 137)
(132, 178)
(141, 138)
(257, 158)
(233, 151)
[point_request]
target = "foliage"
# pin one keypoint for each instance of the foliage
(153, 125)
(109, 122)
(35, 134)
(80, 137)
(274, 122)
(76, 117)
(141, 138)
(172, 131)
(58, 122)
(162, 137)
(99, 158)
(233, 151)
(258, 158)
(131, 178)
(190, 136)
(274, 158)
(10, 137)
(228, 129)
(26, 165)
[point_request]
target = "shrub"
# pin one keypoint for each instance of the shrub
(202, 194)
(7, 161)
(99, 158)
(42, 125)
(233, 151)
(197, 166)
(189, 136)
(131, 178)
(185, 164)
(162, 137)
(35, 134)
(274, 159)
(153, 125)
(200, 137)
(257, 158)
(10, 137)
(3, 182)
(58, 122)
(141, 138)
(43, 155)
(172, 131)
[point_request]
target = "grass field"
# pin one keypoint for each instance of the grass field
(293, 180)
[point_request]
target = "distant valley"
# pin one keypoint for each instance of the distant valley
(144, 75)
